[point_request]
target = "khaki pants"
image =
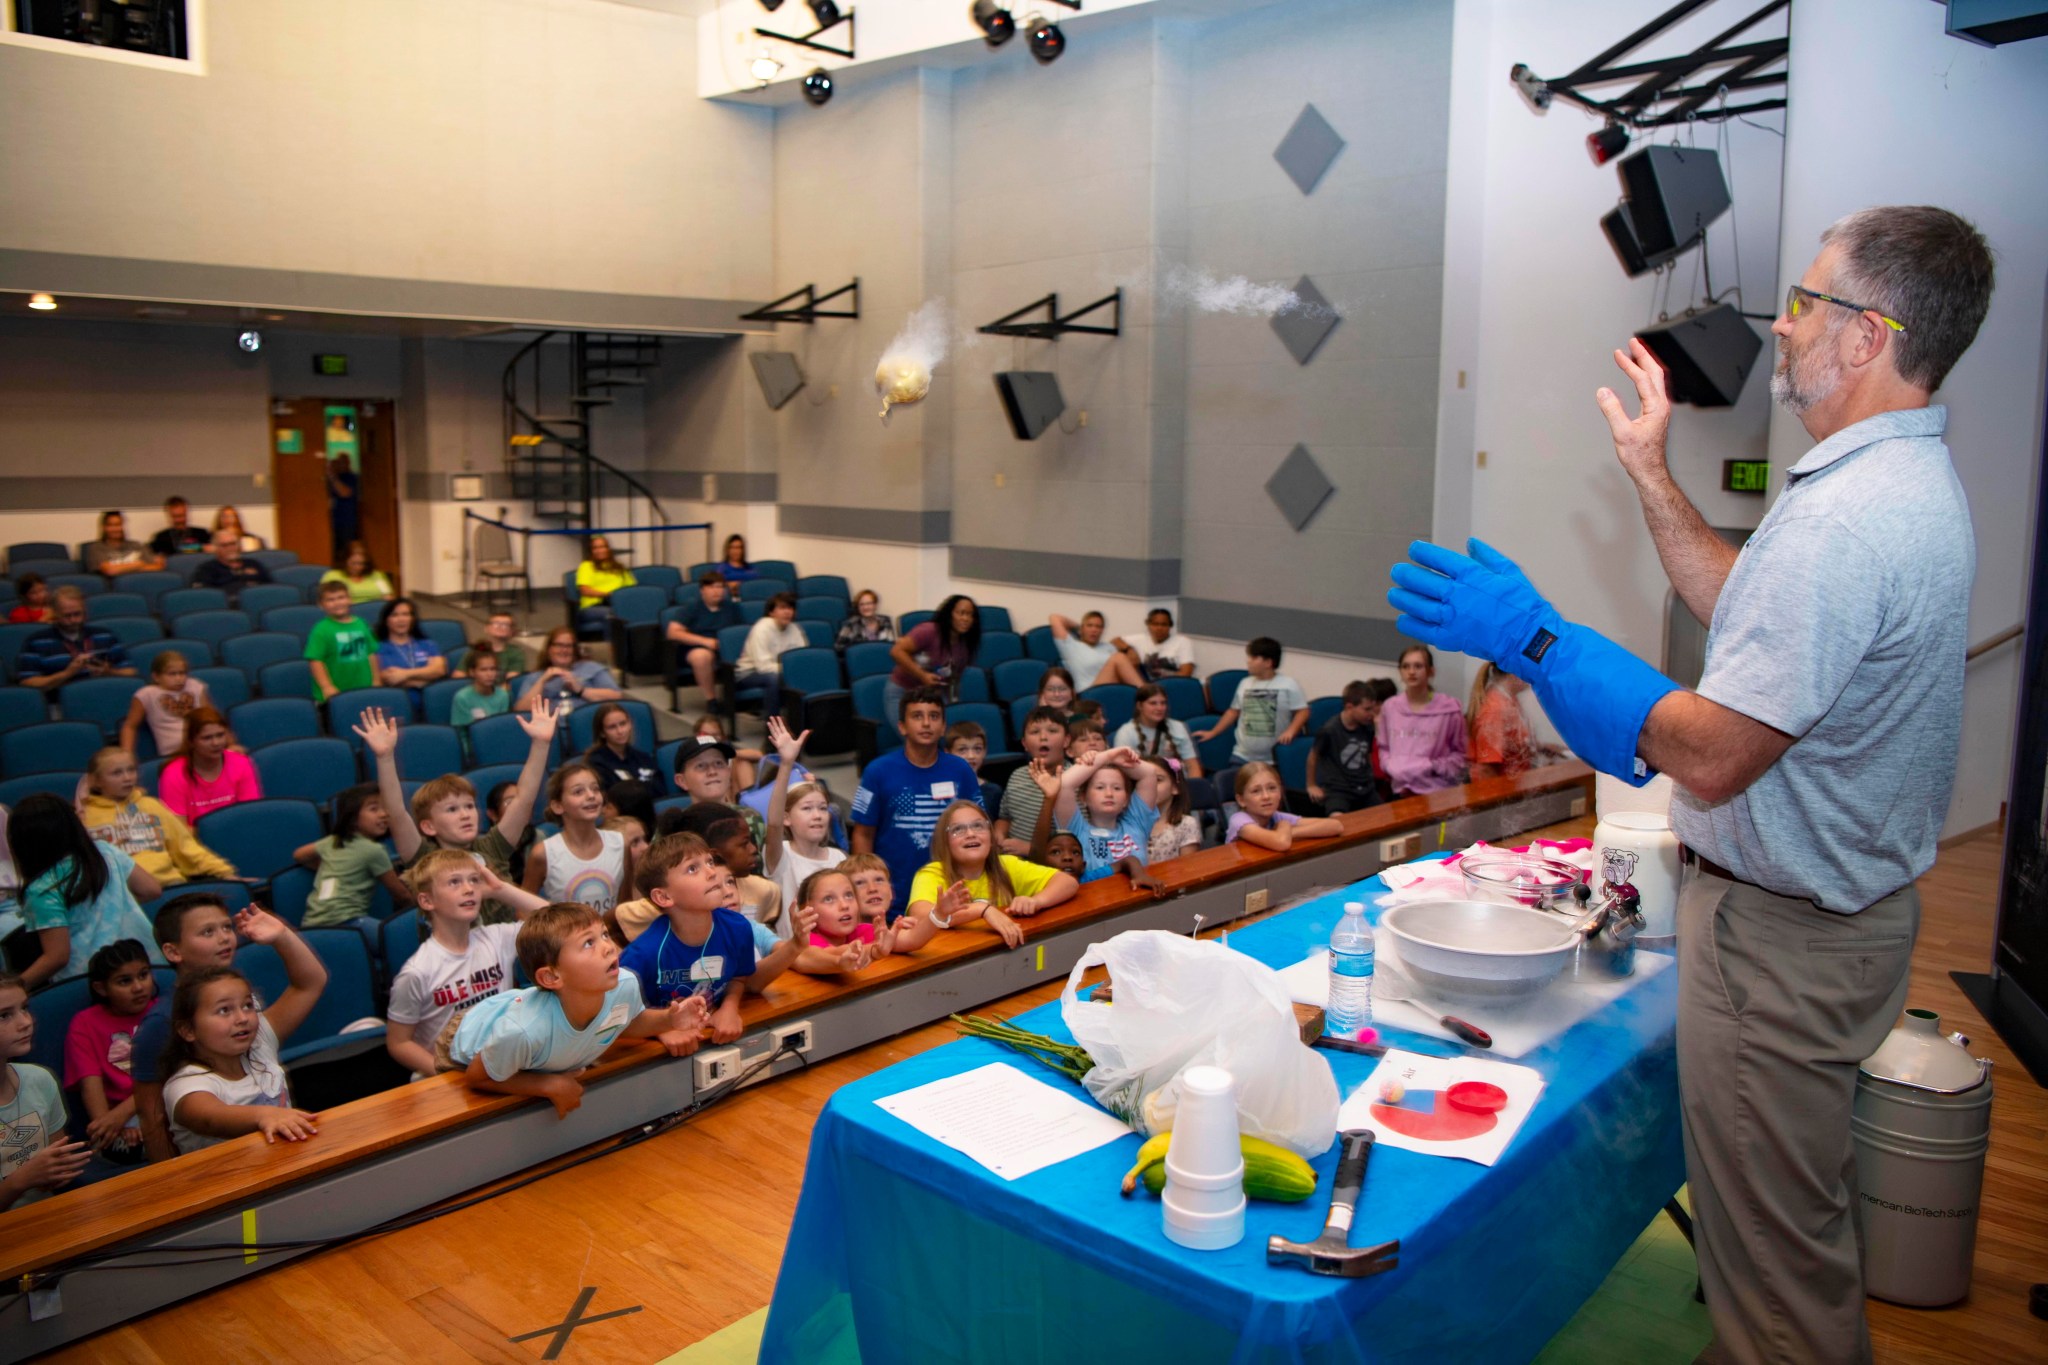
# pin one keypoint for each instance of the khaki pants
(1779, 1000)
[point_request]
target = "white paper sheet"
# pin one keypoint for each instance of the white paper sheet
(1424, 1080)
(1012, 1123)
(1518, 1027)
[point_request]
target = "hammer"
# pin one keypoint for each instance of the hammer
(1332, 1253)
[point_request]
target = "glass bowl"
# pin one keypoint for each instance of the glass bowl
(1525, 879)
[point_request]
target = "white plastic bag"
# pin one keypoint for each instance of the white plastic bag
(1179, 1002)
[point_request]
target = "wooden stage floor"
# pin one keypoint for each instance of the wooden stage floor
(686, 1231)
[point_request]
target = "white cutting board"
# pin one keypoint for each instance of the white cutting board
(1518, 1027)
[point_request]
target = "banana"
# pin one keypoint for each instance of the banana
(1153, 1153)
(1270, 1172)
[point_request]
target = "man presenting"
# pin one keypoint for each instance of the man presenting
(1813, 765)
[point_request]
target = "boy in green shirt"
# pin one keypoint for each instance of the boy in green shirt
(341, 649)
(483, 697)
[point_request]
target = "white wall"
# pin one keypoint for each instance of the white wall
(1535, 303)
(1899, 113)
(557, 144)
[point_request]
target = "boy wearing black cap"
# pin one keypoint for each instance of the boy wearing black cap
(704, 773)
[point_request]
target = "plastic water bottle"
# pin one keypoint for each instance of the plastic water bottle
(1350, 1007)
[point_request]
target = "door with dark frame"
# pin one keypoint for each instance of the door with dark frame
(305, 431)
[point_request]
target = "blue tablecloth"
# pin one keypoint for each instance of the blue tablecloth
(903, 1250)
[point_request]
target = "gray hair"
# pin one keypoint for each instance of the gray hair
(1923, 266)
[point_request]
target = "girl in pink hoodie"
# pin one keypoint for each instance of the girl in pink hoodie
(1421, 732)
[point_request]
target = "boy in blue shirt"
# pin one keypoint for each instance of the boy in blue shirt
(903, 793)
(698, 952)
(533, 1041)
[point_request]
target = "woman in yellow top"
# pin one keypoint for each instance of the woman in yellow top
(363, 579)
(968, 880)
(597, 578)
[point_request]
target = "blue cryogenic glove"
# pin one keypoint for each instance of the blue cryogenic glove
(1595, 692)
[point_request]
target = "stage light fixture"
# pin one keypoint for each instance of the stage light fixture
(251, 342)
(1607, 144)
(1047, 42)
(764, 69)
(42, 303)
(818, 85)
(997, 24)
(826, 12)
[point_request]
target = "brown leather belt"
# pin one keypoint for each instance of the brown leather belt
(1710, 867)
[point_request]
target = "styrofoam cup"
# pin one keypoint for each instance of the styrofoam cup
(1200, 1230)
(1205, 1124)
(1202, 1206)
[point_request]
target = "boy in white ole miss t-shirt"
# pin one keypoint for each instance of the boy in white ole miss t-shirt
(461, 963)
(533, 1041)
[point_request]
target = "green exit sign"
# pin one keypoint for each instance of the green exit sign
(1745, 476)
(332, 365)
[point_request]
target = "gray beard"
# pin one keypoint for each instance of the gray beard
(1800, 382)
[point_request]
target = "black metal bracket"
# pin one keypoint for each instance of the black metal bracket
(808, 312)
(1056, 325)
(810, 40)
(1663, 80)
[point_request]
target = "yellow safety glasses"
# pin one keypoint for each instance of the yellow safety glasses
(1794, 305)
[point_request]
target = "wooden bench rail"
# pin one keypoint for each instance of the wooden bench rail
(245, 1170)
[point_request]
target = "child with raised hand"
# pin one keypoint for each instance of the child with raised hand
(195, 931)
(99, 1048)
(1177, 830)
(1262, 821)
(461, 962)
(698, 948)
(582, 862)
(871, 888)
(349, 863)
(224, 1077)
(117, 812)
(171, 695)
(1107, 803)
(800, 838)
(36, 1159)
(443, 812)
(533, 1041)
(1045, 741)
(968, 879)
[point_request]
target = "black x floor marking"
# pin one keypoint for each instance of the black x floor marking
(569, 1324)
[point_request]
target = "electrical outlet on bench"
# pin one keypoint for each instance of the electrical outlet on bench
(798, 1037)
(1402, 849)
(714, 1066)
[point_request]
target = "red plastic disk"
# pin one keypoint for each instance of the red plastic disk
(1477, 1097)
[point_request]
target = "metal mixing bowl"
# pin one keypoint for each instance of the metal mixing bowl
(1479, 950)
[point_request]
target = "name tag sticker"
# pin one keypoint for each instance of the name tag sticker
(327, 888)
(617, 1017)
(708, 968)
(942, 791)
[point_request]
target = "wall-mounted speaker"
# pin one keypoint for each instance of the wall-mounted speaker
(1031, 400)
(1707, 355)
(779, 374)
(1673, 194)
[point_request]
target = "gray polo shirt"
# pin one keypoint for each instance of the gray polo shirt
(1844, 624)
